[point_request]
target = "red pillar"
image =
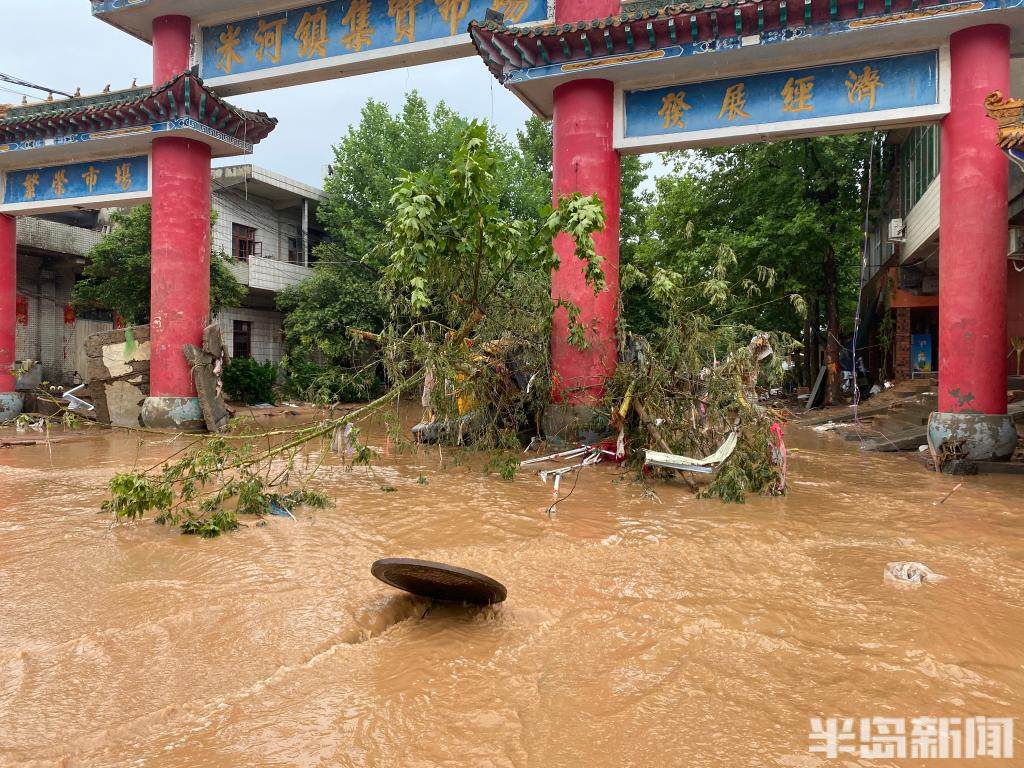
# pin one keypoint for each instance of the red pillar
(172, 47)
(180, 290)
(972, 248)
(10, 401)
(584, 161)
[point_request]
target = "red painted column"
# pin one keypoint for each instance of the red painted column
(172, 47)
(180, 287)
(180, 290)
(972, 228)
(972, 236)
(585, 162)
(8, 300)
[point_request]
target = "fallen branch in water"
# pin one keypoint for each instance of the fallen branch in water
(943, 499)
(222, 476)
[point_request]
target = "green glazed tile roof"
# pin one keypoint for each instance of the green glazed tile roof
(183, 96)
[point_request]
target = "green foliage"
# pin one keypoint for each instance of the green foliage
(323, 362)
(218, 522)
(696, 375)
(117, 275)
(134, 495)
(204, 492)
(504, 465)
(460, 260)
(783, 206)
(450, 233)
(248, 381)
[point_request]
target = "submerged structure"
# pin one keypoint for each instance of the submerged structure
(614, 79)
(118, 149)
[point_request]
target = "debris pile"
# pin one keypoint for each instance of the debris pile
(911, 574)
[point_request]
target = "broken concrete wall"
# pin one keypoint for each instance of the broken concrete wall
(118, 374)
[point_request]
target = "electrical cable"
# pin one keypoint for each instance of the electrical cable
(26, 84)
(863, 275)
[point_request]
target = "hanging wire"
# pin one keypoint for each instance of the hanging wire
(26, 84)
(863, 276)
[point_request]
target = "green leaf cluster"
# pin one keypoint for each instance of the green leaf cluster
(249, 381)
(116, 277)
(784, 207)
(323, 362)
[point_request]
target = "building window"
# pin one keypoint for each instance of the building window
(293, 250)
(243, 241)
(241, 344)
(919, 164)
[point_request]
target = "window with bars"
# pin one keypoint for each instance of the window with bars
(243, 240)
(241, 345)
(919, 164)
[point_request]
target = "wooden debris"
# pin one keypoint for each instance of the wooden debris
(206, 363)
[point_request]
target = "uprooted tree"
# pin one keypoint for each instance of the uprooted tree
(462, 272)
(468, 324)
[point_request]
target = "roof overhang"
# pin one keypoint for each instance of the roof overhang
(100, 145)
(126, 123)
(281, 190)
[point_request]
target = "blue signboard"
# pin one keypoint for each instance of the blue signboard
(853, 88)
(108, 6)
(341, 27)
(96, 179)
(921, 352)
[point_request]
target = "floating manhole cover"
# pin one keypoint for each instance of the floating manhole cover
(439, 581)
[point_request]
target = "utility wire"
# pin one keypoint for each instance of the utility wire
(19, 93)
(863, 268)
(26, 84)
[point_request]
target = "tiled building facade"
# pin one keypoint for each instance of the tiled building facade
(265, 223)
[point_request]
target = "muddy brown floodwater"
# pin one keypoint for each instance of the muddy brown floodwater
(636, 633)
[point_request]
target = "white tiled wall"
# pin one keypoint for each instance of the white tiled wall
(922, 222)
(273, 228)
(275, 276)
(46, 337)
(266, 331)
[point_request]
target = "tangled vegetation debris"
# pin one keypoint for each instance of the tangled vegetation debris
(465, 279)
(696, 379)
(469, 330)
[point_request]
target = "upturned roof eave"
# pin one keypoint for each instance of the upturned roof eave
(179, 97)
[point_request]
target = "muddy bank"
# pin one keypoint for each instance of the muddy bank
(637, 631)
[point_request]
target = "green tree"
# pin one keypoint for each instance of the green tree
(792, 206)
(536, 146)
(321, 358)
(117, 275)
(462, 266)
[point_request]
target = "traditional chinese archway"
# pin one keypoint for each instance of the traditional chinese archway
(652, 79)
(120, 149)
(723, 73)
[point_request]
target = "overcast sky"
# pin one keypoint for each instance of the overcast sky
(58, 44)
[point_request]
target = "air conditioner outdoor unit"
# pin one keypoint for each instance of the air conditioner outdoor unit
(1015, 245)
(896, 231)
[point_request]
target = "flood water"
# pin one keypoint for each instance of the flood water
(637, 632)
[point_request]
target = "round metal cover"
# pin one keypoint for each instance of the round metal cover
(439, 581)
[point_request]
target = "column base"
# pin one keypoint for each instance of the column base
(180, 414)
(565, 424)
(984, 436)
(11, 405)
